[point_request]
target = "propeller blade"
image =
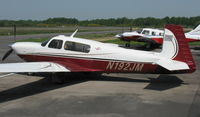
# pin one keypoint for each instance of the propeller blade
(7, 54)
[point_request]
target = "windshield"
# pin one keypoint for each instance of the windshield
(139, 31)
(45, 42)
(145, 32)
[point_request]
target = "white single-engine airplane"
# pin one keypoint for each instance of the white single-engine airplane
(154, 37)
(70, 54)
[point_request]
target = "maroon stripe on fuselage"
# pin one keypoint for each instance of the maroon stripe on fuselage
(130, 38)
(98, 65)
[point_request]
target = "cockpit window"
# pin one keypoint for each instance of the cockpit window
(57, 44)
(145, 32)
(45, 42)
(74, 46)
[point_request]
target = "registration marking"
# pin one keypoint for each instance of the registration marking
(125, 66)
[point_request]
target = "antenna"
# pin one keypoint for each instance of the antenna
(131, 28)
(15, 32)
(73, 34)
(122, 28)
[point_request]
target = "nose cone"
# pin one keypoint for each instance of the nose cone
(14, 46)
(17, 47)
(24, 47)
(119, 36)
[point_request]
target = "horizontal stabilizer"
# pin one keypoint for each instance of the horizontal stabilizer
(32, 67)
(172, 65)
(196, 31)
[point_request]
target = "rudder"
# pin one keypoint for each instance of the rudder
(175, 46)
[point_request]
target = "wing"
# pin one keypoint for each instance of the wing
(32, 67)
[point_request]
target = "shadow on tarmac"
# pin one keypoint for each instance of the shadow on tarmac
(44, 85)
(164, 82)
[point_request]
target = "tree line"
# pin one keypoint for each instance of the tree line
(138, 22)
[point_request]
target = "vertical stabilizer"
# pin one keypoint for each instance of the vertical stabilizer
(175, 46)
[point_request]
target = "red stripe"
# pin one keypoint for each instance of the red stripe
(87, 65)
(158, 40)
(130, 38)
(93, 65)
(191, 40)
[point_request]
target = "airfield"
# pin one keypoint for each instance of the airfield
(109, 95)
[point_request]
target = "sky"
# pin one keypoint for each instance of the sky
(94, 9)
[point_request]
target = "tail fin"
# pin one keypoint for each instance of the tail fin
(195, 31)
(175, 46)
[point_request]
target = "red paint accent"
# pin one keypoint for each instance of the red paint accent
(184, 53)
(129, 38)
(158, 40)
(87, 65)
(191, 40)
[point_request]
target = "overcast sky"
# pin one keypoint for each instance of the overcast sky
(93, 9)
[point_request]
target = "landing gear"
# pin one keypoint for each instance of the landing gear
(128, 45)
(151, 45)
(148, 45)
(58, 78)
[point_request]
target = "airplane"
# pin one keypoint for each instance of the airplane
(64, 54)
(154, 37)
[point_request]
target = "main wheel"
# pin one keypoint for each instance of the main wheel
(58, 78)
(127, 45)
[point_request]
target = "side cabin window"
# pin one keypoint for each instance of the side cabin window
(79, 47)
(145, 32)
(153, 33)
(57, 44)
(161, 34)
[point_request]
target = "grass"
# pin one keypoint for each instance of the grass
(32, 40)
(197, 43)
(94, 36)
(98, 37)
(44, 30)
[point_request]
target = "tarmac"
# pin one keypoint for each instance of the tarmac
(109, 95)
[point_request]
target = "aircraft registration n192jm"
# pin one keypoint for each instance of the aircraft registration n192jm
(70, 54)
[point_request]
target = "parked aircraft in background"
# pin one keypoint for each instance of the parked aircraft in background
(69, 54)
(154, 37)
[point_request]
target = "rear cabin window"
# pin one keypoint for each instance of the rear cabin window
(57, 44)
(161, 34)
(79, 47)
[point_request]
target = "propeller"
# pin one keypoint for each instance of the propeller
(10, 45)
(7, 54)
